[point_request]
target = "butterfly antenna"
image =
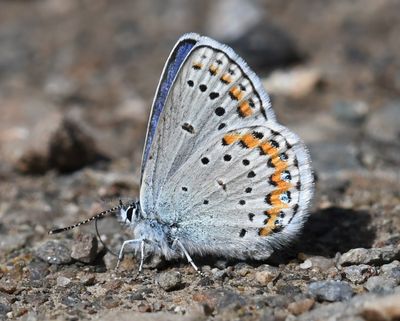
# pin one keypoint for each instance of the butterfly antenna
(101, 241)
(96, 217)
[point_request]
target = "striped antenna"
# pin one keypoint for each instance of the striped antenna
(96, 217)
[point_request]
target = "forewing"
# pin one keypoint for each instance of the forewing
(174, 62)
(213, 92)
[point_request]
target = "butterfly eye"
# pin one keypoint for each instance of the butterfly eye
(129, 213)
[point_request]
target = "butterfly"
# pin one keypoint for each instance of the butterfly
(220, 176)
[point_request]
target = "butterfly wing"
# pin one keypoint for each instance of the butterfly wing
(174, 62)
(220, 168)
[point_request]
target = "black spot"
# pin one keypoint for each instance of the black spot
(251, 174)
(288, 195)
(251, 216)
(298, 185)
(278, 227)
(184, 189)
(129, 214)
(242, 202)
(295, 209)
(227, 157)
(222, 184)
(205, 202)
(218, 61)
(284, 157)
(274, 143)
(271, 181)
(197, 67)
(287, 175)
(203, 56)
(268, 199)
(251, 103)
(288, 146)
(269, 163)
(295, 161)
(224, 81)
(258, 135)
(266, 221)
(205, 160)
(203, 88)
(233, 97)
(231, 71)
(221, 126)
(242, 233)
(219, 111)
(274, 133)
(190, 83)
(242, 87)
(281, 214)
(213, 72)
(248, 189)
(189, 128)
(214, 95)
(246, 162)
(242, 144)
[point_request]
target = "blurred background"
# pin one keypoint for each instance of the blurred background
(77, 78)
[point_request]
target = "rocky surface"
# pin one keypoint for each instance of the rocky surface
(76, 84)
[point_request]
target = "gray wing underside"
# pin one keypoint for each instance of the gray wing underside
(214, 95)
(193, 108)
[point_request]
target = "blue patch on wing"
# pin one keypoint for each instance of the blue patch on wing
(174, 63)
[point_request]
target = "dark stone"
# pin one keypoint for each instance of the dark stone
(169, 281)
(330, 291)
(54, 252)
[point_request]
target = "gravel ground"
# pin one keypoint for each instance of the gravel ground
(76, 84)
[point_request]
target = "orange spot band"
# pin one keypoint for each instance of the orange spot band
(244, 109)
(236, 93)
(231, 138)
(250, 141)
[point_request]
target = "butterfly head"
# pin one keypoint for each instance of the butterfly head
(129, 213)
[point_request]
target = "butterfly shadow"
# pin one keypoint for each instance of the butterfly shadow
(330, 231)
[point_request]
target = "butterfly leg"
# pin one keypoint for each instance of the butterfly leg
(121, 251)
(177, 242)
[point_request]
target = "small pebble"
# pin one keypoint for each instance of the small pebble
(296, 83)
(87, 279)
(4, 309)
(37, 270)
(306, 264)
(266, 275)
(382, 309)
(380, 284)
(84, 248)
(358, 274)
(376, 256)
(144, 307)
(321, 262)
(169, 281)
(63, 281)
(330, 290)
(300, 306)
(7, 285)
(55, 252)
(392, 271)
